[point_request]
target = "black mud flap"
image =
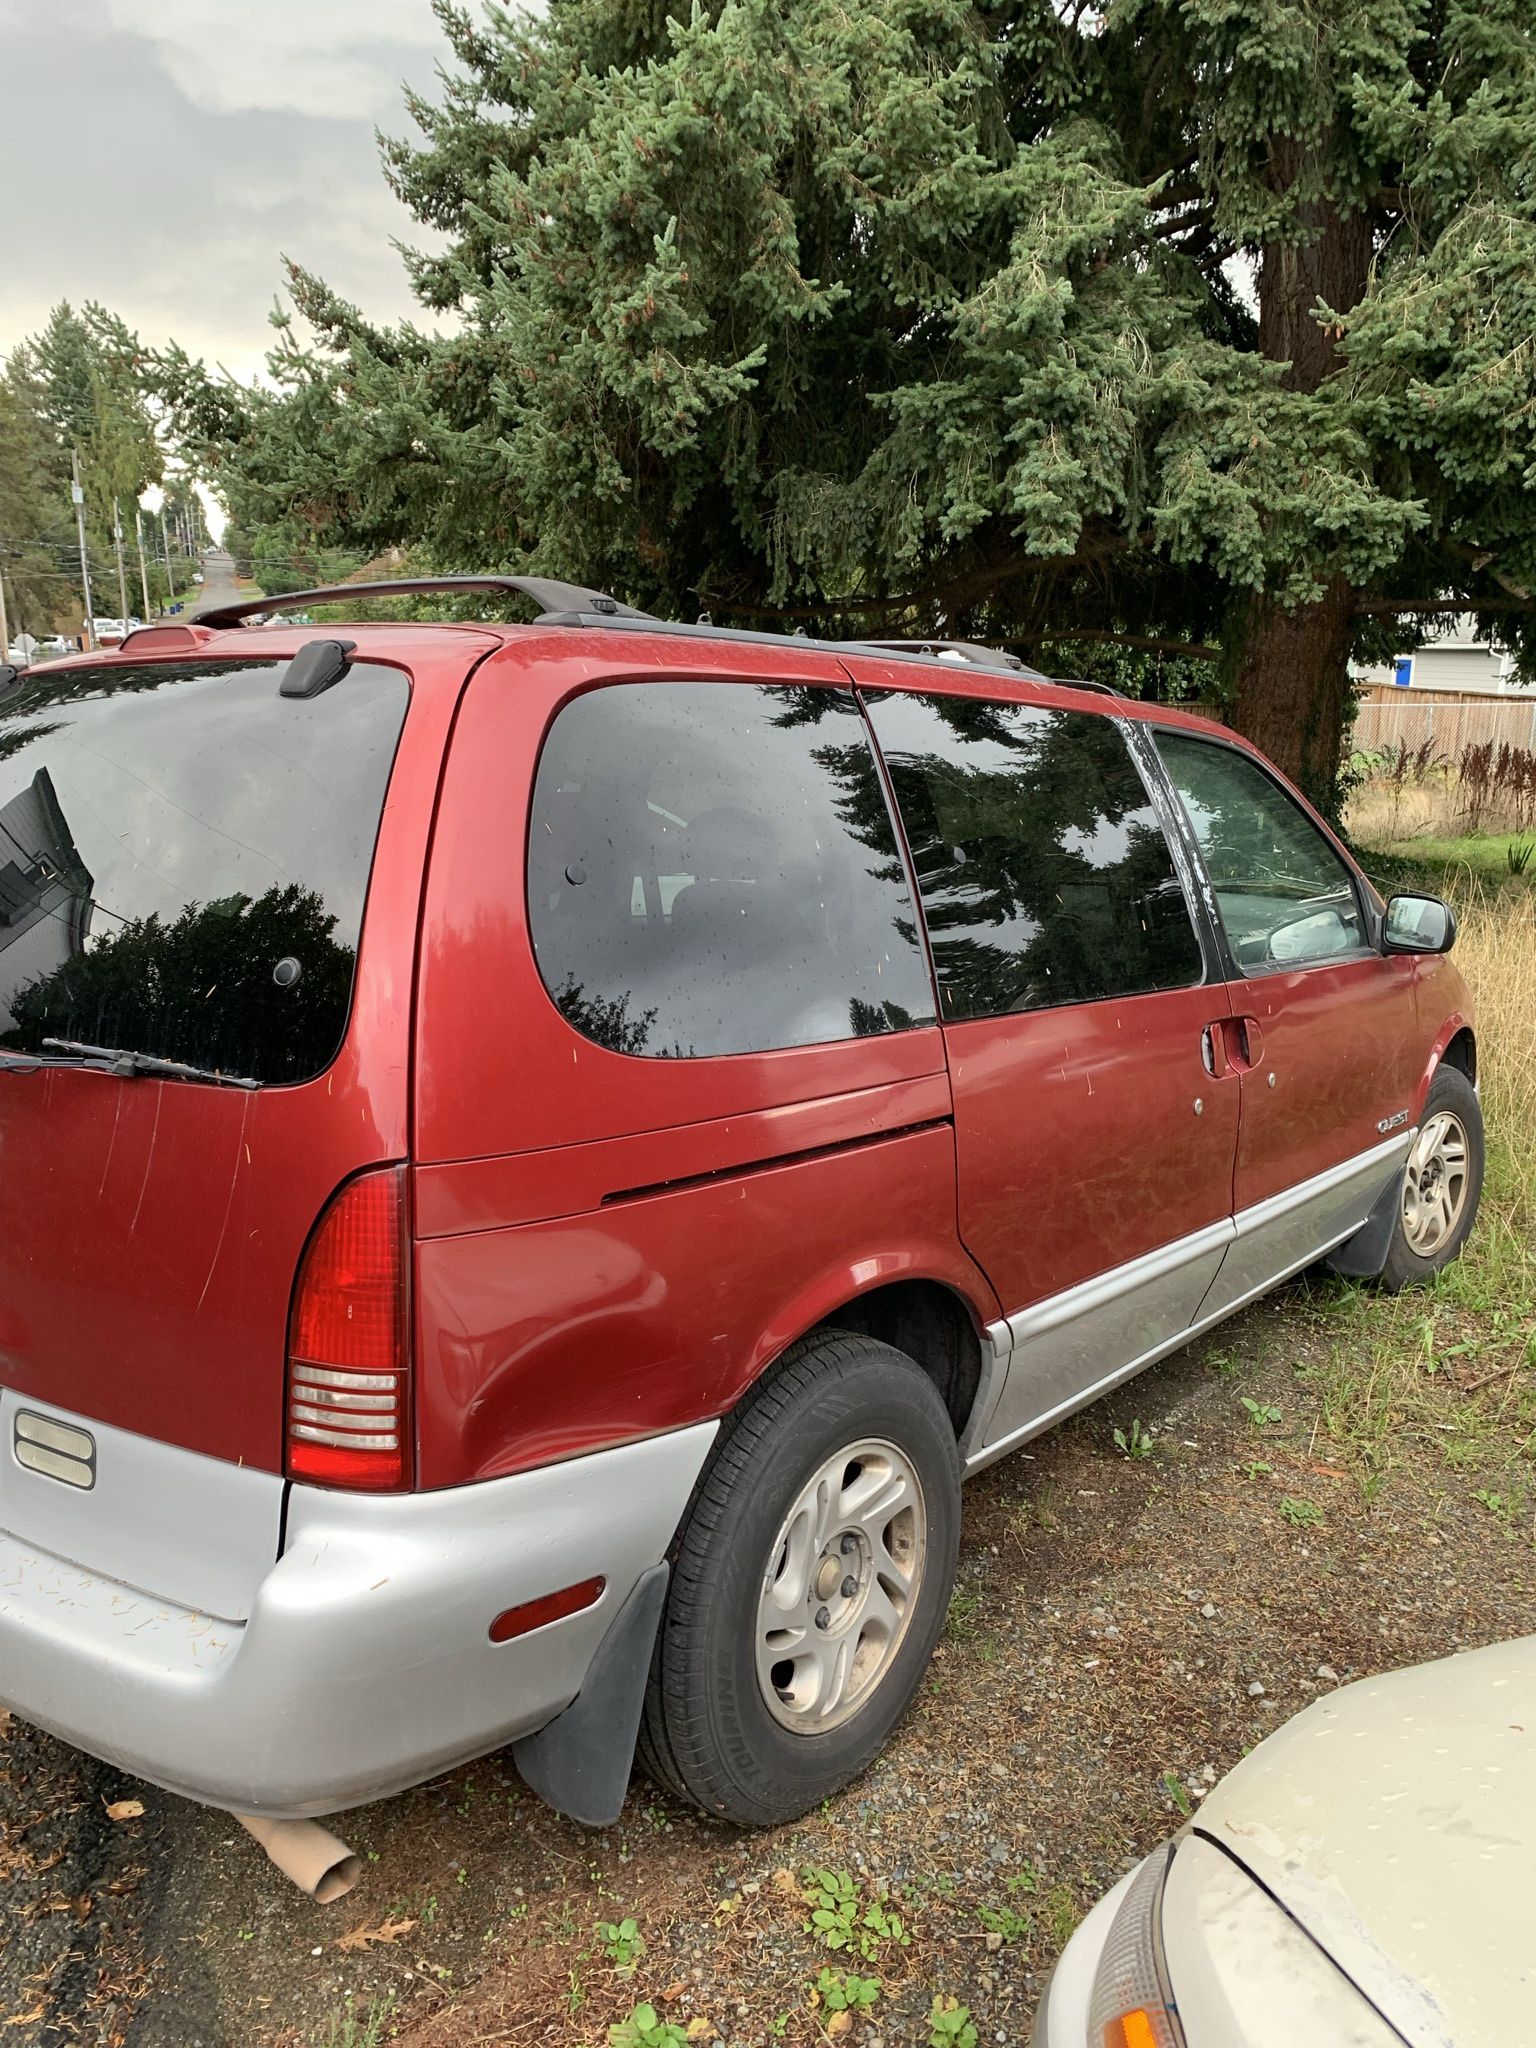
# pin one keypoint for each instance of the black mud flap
(1362, 1256)
(580, 1763)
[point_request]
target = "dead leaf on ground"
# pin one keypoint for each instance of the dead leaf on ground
(839, 2022)
(785, 1881)
(674, 1992)
(370, 1937)
(698, 2027)
(125, 1809)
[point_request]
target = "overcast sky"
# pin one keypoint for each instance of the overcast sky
(162, 155)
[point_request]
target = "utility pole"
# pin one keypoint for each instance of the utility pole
(122, 574)
(5, 625)
(138, 534)
(165, 542)
(85, 568)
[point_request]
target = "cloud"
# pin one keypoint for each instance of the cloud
(311, 56)
(162, 155)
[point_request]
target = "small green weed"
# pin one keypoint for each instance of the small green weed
(1173, 1786)
(841, 1992)
(950, 2025)
(1260, 1413)
(1140, 1443)
(645, 2028)
(1301, 1514)
(1256, 1468)
(357, 2030)
(1006, 1922)
(1497, 1504)
(1518, 854)
(1061, 1913)
(963, 1609)
(834, 1900)
(622, 1943)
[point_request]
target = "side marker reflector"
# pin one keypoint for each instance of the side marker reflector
(521, 1621)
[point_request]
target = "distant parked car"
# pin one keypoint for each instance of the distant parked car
(1362, 1879)
(109, 632)
(605, 1123)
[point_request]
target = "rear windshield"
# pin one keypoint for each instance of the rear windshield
(184, 856)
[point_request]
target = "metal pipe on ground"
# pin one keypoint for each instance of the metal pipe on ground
(320, 1865)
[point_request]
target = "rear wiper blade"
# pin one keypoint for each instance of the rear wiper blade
(117, 1059)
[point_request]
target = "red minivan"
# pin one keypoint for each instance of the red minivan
(535, 1159)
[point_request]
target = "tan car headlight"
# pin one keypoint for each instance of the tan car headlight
(1132, 2005)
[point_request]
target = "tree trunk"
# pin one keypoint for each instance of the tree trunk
(1291, 692)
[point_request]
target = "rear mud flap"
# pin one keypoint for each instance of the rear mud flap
(1362, 1256)
(580, 1763)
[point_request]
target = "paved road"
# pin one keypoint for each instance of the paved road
(218, 585)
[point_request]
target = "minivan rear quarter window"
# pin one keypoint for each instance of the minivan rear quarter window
(1040, 857)
(184, 855)
(712, 869)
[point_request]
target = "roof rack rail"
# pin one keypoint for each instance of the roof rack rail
(968, 650)
(560, 603)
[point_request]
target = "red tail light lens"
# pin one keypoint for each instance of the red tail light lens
(349, 1394)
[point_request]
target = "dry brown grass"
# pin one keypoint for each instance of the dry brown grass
(1382, 813)
(1496, 951)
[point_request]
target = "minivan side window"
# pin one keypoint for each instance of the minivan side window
(712, 869)
(1286, 898)
(1039, 855)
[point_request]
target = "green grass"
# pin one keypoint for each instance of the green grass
(1447, 1370)
(1482, 854)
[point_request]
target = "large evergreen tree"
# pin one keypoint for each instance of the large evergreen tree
(1181, 326)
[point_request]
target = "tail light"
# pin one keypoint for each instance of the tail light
(349, 1382)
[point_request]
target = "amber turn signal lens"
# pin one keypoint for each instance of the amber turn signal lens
(521, 1621)
(1131, 2030)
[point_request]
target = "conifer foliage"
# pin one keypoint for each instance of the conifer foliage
(1183, 327)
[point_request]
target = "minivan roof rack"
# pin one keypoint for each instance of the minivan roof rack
(967, 650)
(559, 602)
(573, 604)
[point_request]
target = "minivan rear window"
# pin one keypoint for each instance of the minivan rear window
(712, 868)
(184, 855)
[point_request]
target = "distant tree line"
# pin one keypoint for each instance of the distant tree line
(79, 385)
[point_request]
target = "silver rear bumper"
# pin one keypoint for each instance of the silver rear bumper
(364, 1664)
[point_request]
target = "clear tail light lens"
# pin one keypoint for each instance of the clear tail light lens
(349, 1383)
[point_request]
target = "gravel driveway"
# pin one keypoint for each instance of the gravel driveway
(1124, 1629)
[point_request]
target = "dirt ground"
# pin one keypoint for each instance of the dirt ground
(1124, 1629)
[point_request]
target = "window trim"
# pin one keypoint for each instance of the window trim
(1236, 970)
(1209, 943)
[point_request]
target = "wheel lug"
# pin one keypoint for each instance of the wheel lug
(849, 1545)
(823, 1617)
(850, 1587)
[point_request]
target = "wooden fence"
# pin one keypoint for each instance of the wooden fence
(1449, 724)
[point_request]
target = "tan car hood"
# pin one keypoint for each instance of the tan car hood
(1396, 1819)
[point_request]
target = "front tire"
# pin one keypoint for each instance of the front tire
(1442, 1184)
(810, 1583)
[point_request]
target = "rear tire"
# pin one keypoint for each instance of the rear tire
(809, 1586)
(1442, 1185)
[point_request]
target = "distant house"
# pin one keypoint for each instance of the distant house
(1453, 691)
(1455, 662)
